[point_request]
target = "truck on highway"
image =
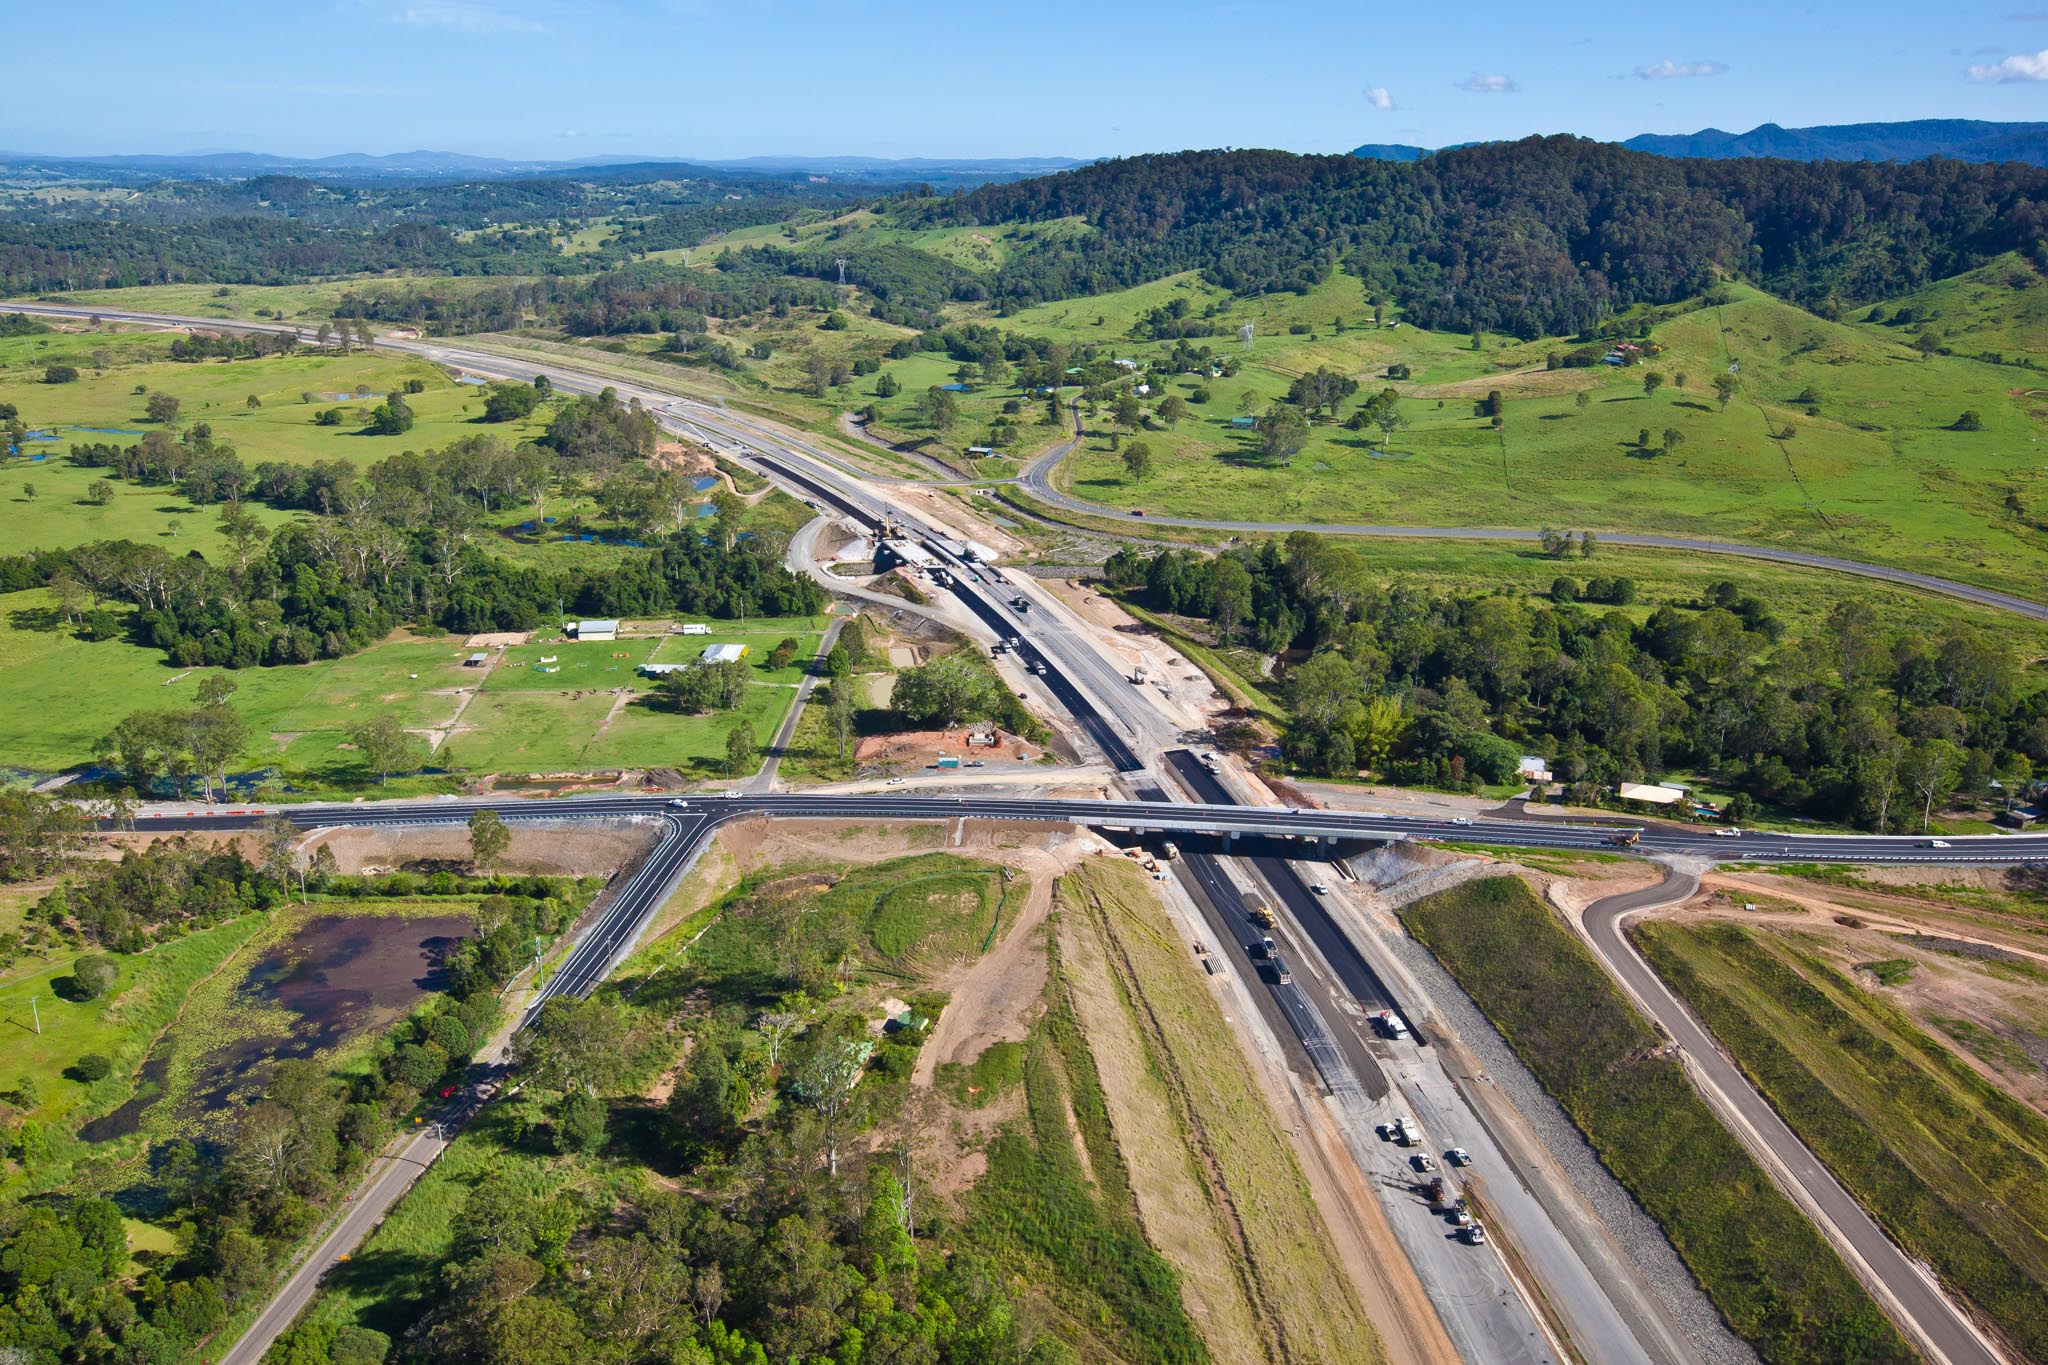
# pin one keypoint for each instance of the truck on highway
(1258, 912)
(1280, 973)
(1391, 1024)
(1168, 851)
(1405, 1131)
(1624, 838)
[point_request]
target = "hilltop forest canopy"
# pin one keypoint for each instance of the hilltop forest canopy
(1546, 236)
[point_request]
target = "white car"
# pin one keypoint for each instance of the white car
(1458, 1156)
(1319, 888)
(1460, 820)
(677, 803)
(730, 796)
(1938, 843)
(898, 781)
(1729, 833)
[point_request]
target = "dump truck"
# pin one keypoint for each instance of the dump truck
(1280, 973)
(1168, 851)
(1258, 912)
(1406, 1133)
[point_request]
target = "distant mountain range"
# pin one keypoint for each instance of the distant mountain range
(1957, 138)
(428, 165)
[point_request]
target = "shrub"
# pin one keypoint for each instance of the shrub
(91, 1067)
(60, 374)
(94, 975)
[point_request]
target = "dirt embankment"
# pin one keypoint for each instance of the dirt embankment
(579, 850)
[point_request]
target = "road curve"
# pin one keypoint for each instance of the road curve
(1939, 1326)
(1037, 479)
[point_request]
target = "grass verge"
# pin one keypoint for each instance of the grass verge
(1226, 1177)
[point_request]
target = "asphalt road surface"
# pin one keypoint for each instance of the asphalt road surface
(1317, 829)
(373, 1198)
(1944, 1332)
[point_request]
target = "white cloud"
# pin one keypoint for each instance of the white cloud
(1378, 97)
(2023, 66)
(1488, 84)
(462, 16)
(1668, 70)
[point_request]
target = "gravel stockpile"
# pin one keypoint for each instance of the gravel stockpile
(1637, 1234)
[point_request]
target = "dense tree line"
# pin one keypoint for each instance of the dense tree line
(1544, 236)
(1853, 721)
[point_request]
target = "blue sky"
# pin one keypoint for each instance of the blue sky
(727, 78)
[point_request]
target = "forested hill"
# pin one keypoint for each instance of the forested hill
(1962, 139)
(1542, 236)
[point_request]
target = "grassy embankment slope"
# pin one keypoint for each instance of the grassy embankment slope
(1955, 1170)
(1214, 1179)
(1764, 1266)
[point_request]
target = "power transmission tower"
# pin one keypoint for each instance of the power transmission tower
(1244, 334)
(841, 263)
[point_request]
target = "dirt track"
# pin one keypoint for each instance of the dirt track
(586, 850)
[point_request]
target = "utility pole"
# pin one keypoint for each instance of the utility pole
(38, 1015)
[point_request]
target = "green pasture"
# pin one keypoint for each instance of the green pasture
(2001, 306)
(120, 1025)
(1877, 475)
(62, 514)
(70, 693)
(283, 428)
